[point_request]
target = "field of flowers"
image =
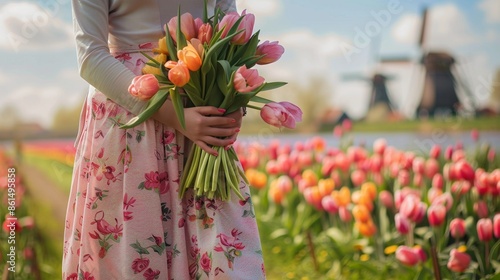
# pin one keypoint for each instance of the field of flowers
(337, 212)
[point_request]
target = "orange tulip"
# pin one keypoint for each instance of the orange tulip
(370, 189)
(367, 229)
(179, 73)
(256, 178)
(189, 55)
(342, 197)
(310, 177)
(361, 213)
(326, 186)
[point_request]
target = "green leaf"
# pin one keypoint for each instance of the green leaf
(260, 99)
(151, 59)
(272, 85)
(139, 249)
(178, 107)
(214, 49)
(181, 39)
(153, 105)
(172, 50)
(247, 50)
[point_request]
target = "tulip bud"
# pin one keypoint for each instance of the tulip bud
(379, 146)
(438, 181)
(481, 208)
(457, 228)
(344, 214)
(496, 225)
(385, 197)
(458, 261)
(144, 86)
(465, 170)
(402, 223)
(272, 51)
(484, 229)
(436, 214)
(407, 256)
(329, 205)
(435, 151)
(178, 74)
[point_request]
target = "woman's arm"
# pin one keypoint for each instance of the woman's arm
(96, 65)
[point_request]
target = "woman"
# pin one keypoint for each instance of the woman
(124, 218)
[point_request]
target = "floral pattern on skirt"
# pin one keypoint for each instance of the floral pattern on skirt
(125, 219)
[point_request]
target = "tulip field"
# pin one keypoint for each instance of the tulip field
(347, 211)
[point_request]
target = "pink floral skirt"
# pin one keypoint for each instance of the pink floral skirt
(125, 219)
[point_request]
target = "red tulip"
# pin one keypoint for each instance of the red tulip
(458, 261)
(281, 114)
(246, 80)
(448, 153)
(272, 51)
(465, 170)
(436, 214)
(407, 256)
(457, 228)
(484, 229)
(420, 252)
(418, 165)
(144, 86)
(431, 167)
(402, 223)
(496, 225)
(481, 208)
(435, 151)
(404, 177)
(438, 181)
(444, 199)
(491, 154)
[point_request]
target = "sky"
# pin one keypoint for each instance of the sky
(323, 39)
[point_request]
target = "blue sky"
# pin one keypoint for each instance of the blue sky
(322, 40)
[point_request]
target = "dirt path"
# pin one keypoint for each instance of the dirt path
(45, 192)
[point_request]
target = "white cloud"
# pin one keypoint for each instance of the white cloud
(260, 8)
(446, 28)
(39, 104)
(491, 9)
(27, 26)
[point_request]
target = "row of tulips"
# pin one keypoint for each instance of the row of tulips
(436, 214)
(17, 237)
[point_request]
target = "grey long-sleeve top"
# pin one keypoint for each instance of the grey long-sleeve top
(123, 24)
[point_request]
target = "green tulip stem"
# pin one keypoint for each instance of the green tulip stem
(434, 258)
(487, 256)
(253, 107)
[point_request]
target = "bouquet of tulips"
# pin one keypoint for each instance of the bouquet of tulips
(208, 62)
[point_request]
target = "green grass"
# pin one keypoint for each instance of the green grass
(56, 171)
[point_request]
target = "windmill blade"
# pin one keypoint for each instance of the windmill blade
(421, 41)
(395, 59)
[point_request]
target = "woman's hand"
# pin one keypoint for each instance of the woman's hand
(205, 126)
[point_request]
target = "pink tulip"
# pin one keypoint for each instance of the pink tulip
(344, 214)
(438, 181)
(460, 187)
(474, 133)
(246, 25)
(284, 184)
(329, 204)
(457, 228)
(491, 154)
(418, 180)
(444, 199)
(205, 33)
(402, 223)
(358, 177)
(436, 214)
(272, 167)
(144, 86)
(481, 208)
(407, 256)
(347, 125)
(386, 199)
(496, 225)
(188, 27)
(458, 261)
(420, 252)
(435, 151)
(484, 229)
(272, 51)
(404, 177)
(281, 114)
(448, 153)
(431, 167)
(246, 80)
(379, 146)
(418, 165)
(413, 208)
